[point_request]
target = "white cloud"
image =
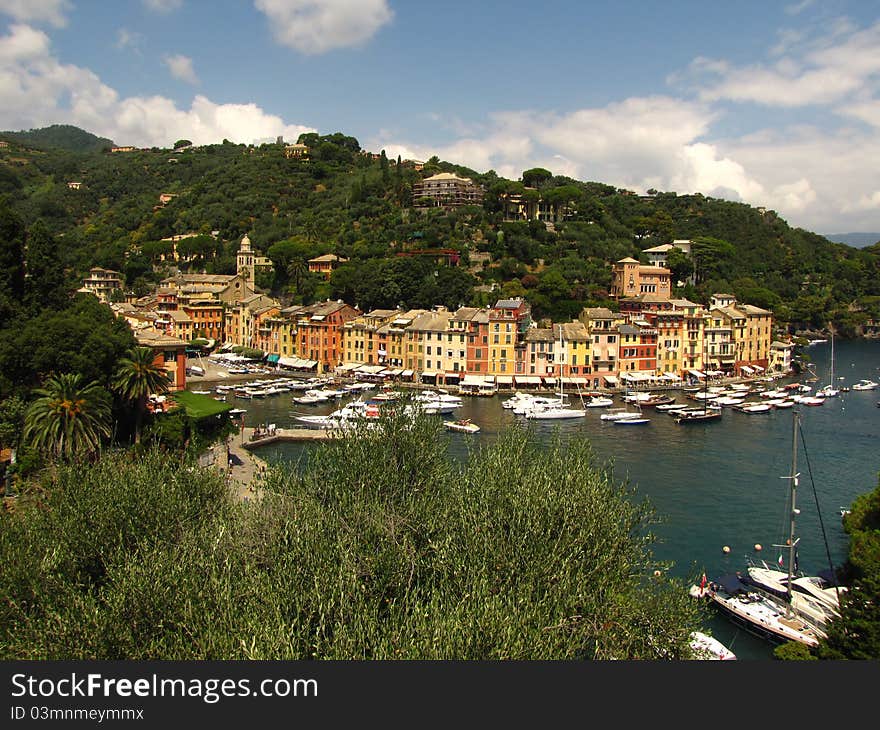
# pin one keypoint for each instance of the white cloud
(814, 178)
(798, 8)
(868, 112)
(22, 45)
(821, 70)
(317, 26)
(181, 67)
(37, 11)
(38, 90)
(163, 6)
(866, 202)
(128, 39)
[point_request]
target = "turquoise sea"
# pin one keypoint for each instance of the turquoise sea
(715, 484)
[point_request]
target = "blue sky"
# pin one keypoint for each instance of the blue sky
(772, 104)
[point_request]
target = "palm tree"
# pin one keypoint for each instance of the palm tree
(136, 378)
(69, 417)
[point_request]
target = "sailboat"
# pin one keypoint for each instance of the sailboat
(760, 611)
(559, 409)
(706, 413)
(829, 391)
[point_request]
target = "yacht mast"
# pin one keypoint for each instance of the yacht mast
(793, 480)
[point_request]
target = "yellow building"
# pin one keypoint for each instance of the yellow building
(671, 341)
(361, 338)
(424, 342)
(509, 321)
(755, 351)
(572, 349)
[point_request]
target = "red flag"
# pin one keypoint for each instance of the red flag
(780, 561)
(703, 582)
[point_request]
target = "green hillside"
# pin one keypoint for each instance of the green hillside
(346, 202)
(59, 136)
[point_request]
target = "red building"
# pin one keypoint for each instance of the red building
(319, 332)
(169, 353)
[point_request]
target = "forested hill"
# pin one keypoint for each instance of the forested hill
(60, 136)
(360, 207)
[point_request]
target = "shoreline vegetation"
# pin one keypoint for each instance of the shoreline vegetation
(379, 548)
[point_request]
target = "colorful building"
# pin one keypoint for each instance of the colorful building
(361, 338)
(319, 332)
(169, 354)
(509, 320)
(630, 279)
(602, 324)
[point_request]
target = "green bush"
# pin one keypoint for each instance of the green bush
(379, 546)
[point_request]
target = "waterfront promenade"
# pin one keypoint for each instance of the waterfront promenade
(244, 470)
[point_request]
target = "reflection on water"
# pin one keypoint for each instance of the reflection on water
(713, 484)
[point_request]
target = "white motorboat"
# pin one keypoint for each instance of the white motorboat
(599, 402)
(537, 402)
(553, 412)
(619, 414)
(708, 647)
(755, 408)
(811, 400)
(865, 385)
(465, 425)
(311, 397)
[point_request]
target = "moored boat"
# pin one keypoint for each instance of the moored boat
(705, 647)
(464, 425)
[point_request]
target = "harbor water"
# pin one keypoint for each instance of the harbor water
(713, 484)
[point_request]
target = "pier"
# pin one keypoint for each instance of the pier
(253, 438)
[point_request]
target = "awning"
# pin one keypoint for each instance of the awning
(406, 374)
(610, 379)
(671, 376)
(548, 380)
(273, 358)
(746, 369)
(575, 381)
(370, 369)
(451, 376)
(504, 380)
(472, 380)
(295, 362)
(429, 374)
(527, 380)
(757, 368)
(394, 373)
(348, 366)
(697, 373)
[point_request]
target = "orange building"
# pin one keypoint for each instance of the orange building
(319, 332)
(325, 264)
(629, 278)
(169, 353)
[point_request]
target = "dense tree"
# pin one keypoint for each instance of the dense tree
(856, 634)
(86, 338)
(136, 378)
(12, 271)
(535, 177)
(69, 418)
